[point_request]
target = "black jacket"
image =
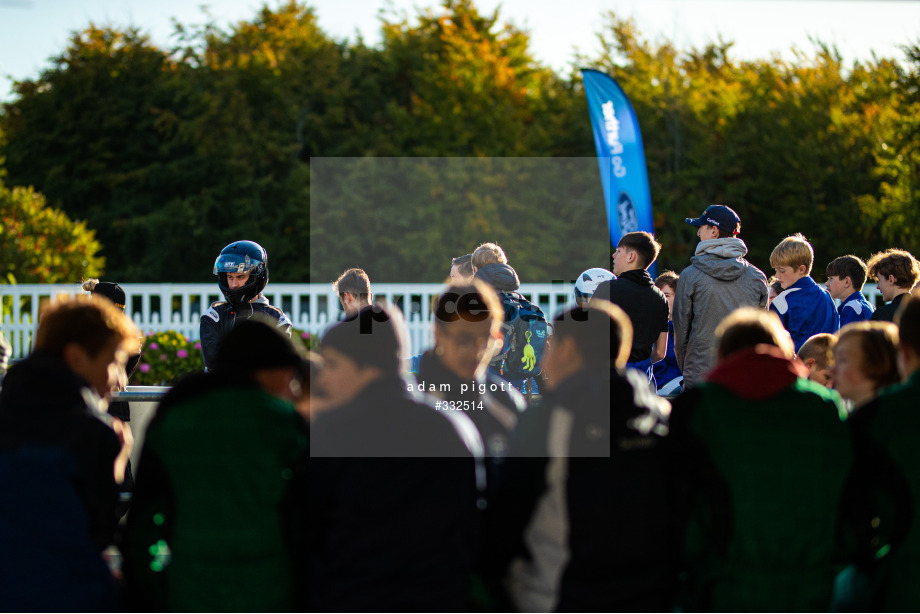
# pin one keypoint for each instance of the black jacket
(57, 508)
(635, 293)
(585, 509)
(221, 317)
(886, 312)
(493, 405)
(43, 403)
(393, 503)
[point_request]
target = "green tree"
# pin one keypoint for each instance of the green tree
(41, 244)
(780, 142)
(890, 94)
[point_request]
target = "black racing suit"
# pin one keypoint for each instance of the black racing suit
(222, 317)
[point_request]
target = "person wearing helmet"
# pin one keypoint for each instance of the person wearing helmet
(242, 273)
(587, 283)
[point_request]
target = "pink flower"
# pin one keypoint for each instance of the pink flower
(163, 356)
(305, 335)
(154, 346)
(144, 367)
(182, 353)
(197, 345)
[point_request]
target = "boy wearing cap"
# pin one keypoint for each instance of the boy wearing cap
(718, 281)
(804, 307)
(845, 279)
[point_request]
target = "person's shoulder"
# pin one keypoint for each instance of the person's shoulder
(813, 297)
(215, 311)
(689, 276)
(754, 272)
(806, 392)
(274, 312)
(858, 304)
(902, 394)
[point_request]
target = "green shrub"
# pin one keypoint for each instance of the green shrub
(168, 356)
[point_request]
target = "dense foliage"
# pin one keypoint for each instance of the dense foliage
(41, 245)
(168, 356)
(169, 154)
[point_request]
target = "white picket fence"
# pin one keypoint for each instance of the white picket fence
(311, 307)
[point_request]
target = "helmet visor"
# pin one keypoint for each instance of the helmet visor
(236, 263)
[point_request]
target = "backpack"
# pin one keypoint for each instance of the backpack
(525, 331)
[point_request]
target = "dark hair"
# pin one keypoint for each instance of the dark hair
(775, 285)
(473, 302)
(668, 278)
(848, 266)
(93, 325)
(644, 244)
(748, 327)
(601, 330)
(895, 262)
(725, 233)
(464, 265)
(354, 281)
(909, 323)
(878, 344)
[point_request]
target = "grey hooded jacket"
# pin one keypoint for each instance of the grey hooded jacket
(718, 281)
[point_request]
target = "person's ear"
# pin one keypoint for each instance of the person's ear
(810, 363)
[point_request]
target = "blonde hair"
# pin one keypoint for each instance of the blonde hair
(819, 348)
(794, 251)
(488, 253)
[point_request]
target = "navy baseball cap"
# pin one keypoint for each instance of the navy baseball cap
(720, 216)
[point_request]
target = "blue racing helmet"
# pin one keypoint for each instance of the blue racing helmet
(242, 257)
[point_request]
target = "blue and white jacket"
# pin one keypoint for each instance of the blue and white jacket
(806, 309)
(855, 308)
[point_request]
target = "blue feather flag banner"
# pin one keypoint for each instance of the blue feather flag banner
(620, 155)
